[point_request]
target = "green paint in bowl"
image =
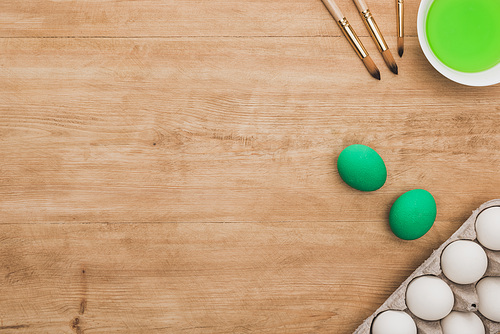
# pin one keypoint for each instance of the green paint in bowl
(465, 34)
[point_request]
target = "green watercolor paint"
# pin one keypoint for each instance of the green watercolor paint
(465, 34)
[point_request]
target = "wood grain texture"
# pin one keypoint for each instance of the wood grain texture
(113, 130)
(169, 166)
(198, 277)
(183, 18)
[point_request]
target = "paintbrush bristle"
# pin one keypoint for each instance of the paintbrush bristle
(389, 60)
(401, 46)
(371, 67)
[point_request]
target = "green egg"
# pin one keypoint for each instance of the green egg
(362, 168)
(413, 214)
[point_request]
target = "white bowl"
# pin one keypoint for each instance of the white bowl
(488, 77)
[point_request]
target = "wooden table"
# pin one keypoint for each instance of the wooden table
(169, 166)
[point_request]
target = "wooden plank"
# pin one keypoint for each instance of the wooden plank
(199, 278)
(229, 129)
(118, 18)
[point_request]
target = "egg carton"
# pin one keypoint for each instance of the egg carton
(466, 298)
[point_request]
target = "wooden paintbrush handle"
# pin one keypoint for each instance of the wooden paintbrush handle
(361, 4)
(334, 10)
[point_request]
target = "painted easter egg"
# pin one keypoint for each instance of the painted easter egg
(413, 214)
(362, 168)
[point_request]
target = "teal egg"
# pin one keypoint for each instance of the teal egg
(413, 214)
(362, 168)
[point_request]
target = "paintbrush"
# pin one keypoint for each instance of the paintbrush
(376, 35)
(401, 28)
(353, 39)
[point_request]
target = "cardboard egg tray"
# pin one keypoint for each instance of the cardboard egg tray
(466, 298)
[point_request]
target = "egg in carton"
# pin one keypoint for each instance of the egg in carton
(465, 296)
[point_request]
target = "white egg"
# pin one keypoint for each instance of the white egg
(488, 228)
(488, 292)
(464, 262)
(462, 323)
(393, 322)
(429, 298)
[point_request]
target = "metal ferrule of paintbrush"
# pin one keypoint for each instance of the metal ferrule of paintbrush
(356, 44)
(401, 29)
(401, 32)
(379, 40)
(374, 30)
(353, 39)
